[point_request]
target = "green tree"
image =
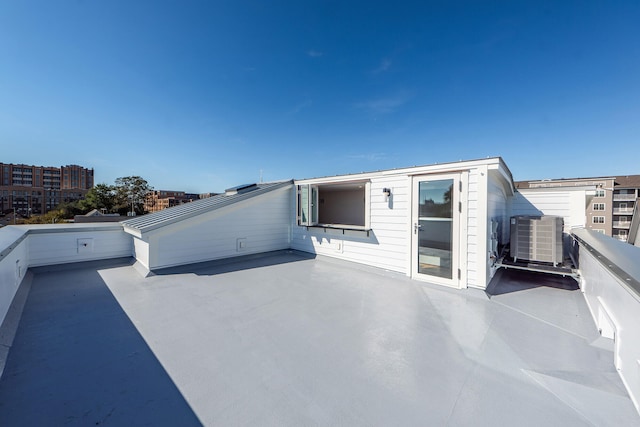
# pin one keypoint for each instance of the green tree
(70, 209)
(130, 194)
(51, 217)
(101, 196)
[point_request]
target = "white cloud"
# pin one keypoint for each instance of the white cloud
(314, 53)
(371, 157)
(301, 106)
(384, 105)
(384, 66)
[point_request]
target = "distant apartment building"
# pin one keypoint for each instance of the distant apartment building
(34, 190)
(626, 192)
(611, 209)
(158, 200)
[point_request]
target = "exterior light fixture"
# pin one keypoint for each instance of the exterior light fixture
(387, 193)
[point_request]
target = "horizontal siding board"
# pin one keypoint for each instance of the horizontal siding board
(388, 242)
(390, 220)
(263, 222)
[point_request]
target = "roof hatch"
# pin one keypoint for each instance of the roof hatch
(239, 189)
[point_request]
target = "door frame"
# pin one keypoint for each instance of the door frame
(459, 229)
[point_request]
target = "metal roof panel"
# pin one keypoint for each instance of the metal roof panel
(179, 213)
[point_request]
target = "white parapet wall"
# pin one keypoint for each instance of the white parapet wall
(25, 246)
(13, 264)
(610, 281)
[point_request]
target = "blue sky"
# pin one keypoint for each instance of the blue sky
(201, 96)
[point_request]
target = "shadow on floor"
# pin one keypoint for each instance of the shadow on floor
(77, 359)
(246, 262)
(507, 280)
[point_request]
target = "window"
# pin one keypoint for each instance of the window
(337, 205)
(600, 193)
(623, 219)
(598, 220)
(598, 206)
(623, 206)
(307, 205)
(599, 230)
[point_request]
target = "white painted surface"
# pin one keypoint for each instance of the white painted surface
(498, 198)
(13, 266)
(262, 223)
(473, 228)
(141, 251)
(388, 243)
(290, 341)
(54, 244)
(48, 248)
(567, 202)
(614, 307)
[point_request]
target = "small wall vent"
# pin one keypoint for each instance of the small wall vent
(85, 245)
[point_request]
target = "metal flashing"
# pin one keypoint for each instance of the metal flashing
(620, 258)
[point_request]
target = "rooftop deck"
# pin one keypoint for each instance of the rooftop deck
(286, 339)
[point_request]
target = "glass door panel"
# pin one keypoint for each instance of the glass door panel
(435, 228)
(435, 246)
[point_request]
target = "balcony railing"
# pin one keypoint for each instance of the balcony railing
(622, 211)
(622, 224)
(624, 197)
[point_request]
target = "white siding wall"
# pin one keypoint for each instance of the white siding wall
(263, 221)
(567, 203)
(48, 248)
(388, 244)
(497, 210)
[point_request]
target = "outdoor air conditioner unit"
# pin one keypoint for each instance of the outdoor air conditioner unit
(537, 238)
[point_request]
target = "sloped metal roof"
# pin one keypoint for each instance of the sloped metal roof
(175, 214)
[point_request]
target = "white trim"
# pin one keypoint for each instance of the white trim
(464, 241)
(456, 247)
(482, 271)
(451, 167)
(367, 205)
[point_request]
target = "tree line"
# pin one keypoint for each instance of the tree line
(128, 193)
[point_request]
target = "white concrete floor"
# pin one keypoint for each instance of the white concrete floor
(290, 340)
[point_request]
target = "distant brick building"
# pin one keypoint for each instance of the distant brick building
(158, 200)
(38, 189)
